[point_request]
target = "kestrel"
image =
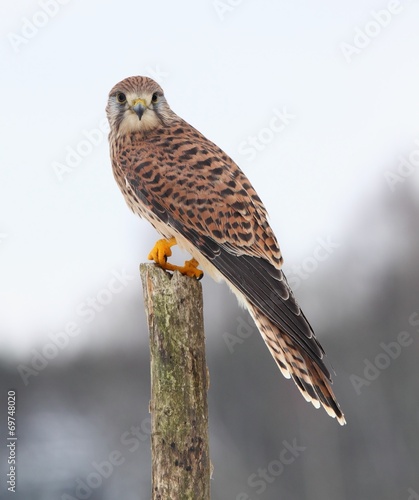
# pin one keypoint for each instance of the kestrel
(197, 197)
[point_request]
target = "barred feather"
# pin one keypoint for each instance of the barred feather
(189, 189)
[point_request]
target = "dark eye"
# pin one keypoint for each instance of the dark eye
(154, 97)
(121, 97)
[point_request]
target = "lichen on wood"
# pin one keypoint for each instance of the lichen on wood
(179, 385)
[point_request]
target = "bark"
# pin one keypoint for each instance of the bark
(179, 384)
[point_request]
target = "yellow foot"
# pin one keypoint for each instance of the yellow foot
(162, 250)
(189, 268)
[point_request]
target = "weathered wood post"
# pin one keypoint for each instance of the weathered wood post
(179, 384)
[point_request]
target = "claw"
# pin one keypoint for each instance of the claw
(162, 250)
(190, 268)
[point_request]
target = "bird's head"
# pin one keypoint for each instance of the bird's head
(137, 104)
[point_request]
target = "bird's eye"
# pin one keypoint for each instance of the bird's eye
(154, 97)
(121, 97)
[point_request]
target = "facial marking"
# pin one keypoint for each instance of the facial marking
(130, 121)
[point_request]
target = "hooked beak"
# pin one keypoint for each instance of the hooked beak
(139, 106)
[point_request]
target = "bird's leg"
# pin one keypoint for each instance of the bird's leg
(190, 268)
(162, 250)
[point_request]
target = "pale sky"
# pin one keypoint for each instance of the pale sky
(327, 127)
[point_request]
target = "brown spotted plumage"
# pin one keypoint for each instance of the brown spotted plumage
(190, 190)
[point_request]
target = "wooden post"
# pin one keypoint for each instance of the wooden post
(179, 384)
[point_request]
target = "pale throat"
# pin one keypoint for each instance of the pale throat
(131, 123)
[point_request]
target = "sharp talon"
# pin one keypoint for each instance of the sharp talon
(162, 250)
(190, 268)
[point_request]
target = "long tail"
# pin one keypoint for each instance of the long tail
(311, 377)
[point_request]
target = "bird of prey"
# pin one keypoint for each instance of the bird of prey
(197, 197)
